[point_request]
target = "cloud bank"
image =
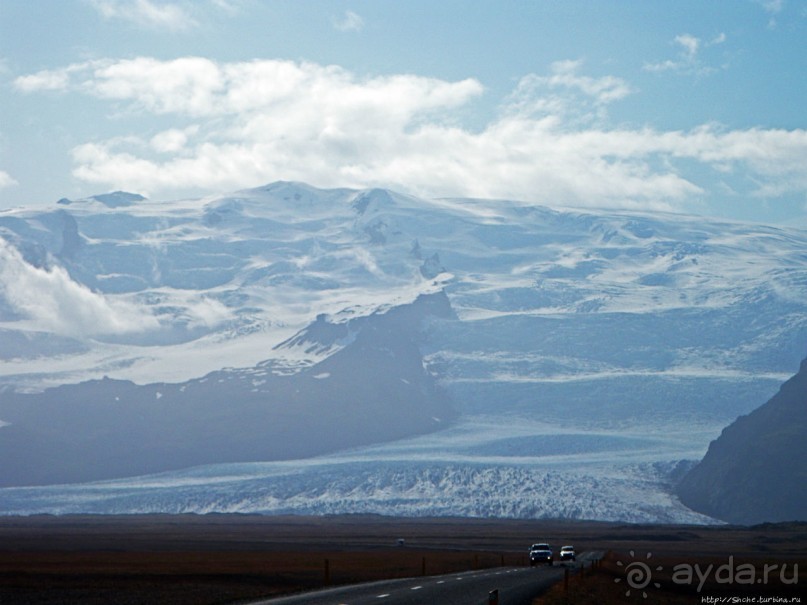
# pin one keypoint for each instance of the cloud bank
(241, 124)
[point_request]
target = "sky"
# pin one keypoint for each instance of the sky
(688, 106)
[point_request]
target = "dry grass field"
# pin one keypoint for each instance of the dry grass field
(218, 559)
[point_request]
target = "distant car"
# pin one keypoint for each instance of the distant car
(566, 553)
(541, 553)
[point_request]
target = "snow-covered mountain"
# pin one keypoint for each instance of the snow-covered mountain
(585, 353)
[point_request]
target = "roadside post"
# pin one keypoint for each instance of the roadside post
(493, 597)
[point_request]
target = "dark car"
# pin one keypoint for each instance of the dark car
(567, 553)
(541, 553)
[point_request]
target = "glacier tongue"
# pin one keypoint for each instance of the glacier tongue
(636, 494)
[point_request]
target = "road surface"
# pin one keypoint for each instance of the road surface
(516, 586)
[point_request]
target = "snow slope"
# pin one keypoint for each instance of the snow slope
(589, 354)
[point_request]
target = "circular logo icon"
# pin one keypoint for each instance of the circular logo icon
(638, 574)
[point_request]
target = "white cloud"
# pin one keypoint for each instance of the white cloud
(148, 13)
(171, 140)
(54, 302)
(43, 80)
(566, 94)
(688, 61)
(187, 85)
(266, 120)
(349, 22)
(51, 79)
(207, 313)
(6, 180)
(229, 6)
(773, 8)
(691, 44)
(564, 74)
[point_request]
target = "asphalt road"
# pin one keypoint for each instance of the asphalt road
(516, 586)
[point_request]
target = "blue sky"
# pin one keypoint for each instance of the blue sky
(687, 106)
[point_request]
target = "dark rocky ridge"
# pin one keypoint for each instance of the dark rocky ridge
(756, 471)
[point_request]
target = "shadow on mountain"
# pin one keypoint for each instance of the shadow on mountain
(374, 388)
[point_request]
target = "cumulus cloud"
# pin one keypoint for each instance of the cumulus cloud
(247, 123)
(54, 302)
(148, 13)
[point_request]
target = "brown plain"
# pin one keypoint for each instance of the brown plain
(217, 559)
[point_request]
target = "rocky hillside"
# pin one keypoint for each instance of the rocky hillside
(373, 388)
(756, 471)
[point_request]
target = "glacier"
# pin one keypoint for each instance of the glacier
(591, 355)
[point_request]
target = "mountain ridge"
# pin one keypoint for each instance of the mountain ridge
(584, 349)
(756, 470)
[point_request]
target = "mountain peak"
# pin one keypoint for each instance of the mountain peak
(372, 198)
(114, 199)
